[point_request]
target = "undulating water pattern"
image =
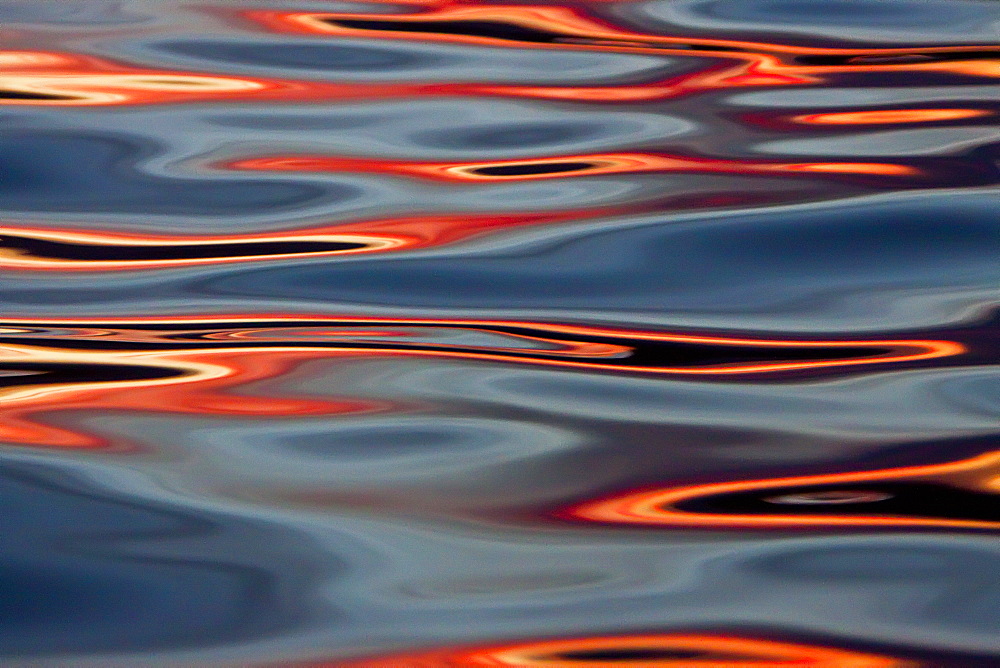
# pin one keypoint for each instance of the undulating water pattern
(428, 333)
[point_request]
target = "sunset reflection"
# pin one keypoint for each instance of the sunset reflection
(951, 495)
(70, 250)
(891, 116)
(191, 365)
(458, 333)
(613, 349)
(55, 249)
(192, 382)
(558, 167)
(566, 27)
(71, 80)
(650, 651)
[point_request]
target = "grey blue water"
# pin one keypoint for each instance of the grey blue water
(570, 333)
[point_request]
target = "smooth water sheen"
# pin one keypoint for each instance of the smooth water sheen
(420, 333)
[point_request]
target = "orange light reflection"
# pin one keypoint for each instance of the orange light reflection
(378, 235)
(890, 116)
(11, 258)
(657, 507)
(62, 79)
(572, 28)
(204, 388)
(201, 379)
(591, 164)
(902, 350)
(677, 649)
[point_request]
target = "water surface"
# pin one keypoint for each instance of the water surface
(476, 333)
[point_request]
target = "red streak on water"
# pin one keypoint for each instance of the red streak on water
(380, 236)
(597, 163)
(41, 78)
(12, 259)
(691, 650)
(64, 79)
(204, 389)
(573, 28)
(890, 116)
(657, 507)
(903, 350)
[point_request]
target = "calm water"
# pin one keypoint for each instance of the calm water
(476, 333)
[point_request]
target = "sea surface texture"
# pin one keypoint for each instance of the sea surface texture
(445, 333)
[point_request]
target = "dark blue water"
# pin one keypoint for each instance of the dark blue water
(474, 333)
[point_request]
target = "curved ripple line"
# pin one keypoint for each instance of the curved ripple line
(610, 349)
(649, 650)
(63, 79)
(890, 116)
(71, 250)
(191, 365)
(559, 167)
(968, 486)
(44, 78)
(64, 249)
(562, 27)
(177, 381)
